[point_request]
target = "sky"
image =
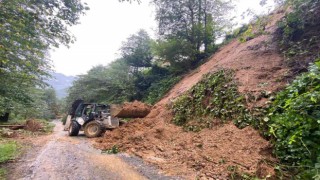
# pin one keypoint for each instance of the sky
(106, 25)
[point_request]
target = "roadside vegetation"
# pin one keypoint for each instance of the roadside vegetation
(295, 115)
(148, 68)
(13, 143)
(8, 151)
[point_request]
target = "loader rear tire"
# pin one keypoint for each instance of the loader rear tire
(94, 129)
(74, 129)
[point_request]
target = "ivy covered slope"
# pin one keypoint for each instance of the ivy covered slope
(215, 96)
(292, 121)
(295, 123)
(295, 115)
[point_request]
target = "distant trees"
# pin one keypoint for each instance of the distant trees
(28, 29)
(125, 79)
(111, 84)
(43, 104)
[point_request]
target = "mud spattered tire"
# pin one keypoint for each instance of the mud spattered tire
(93, 129)
(74, 129)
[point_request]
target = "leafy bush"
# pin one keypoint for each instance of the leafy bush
(247, 35)
(113, 150)
(159, 89)
(295, 122)
(235, 33)
(298, 34)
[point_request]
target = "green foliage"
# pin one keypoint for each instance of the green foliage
(216, 96)
(3, 173)
(295, 122)
(104, 84)
(235, 33)
(247, 35)
(188, 30)
(158, 89)
(298, 34)
(28, 29)
(213, 99)
(254, 29)
(292, 26)
(136, 51)
(294, 118)
(125, 79)
(177, 52)
(8, 151)
(43, 105)
(47, 126)
(113, 150)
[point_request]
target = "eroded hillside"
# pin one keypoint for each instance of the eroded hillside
(222, 150)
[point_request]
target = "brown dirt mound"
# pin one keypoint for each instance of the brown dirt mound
(135, 109)
(223, 150)
(33, 125)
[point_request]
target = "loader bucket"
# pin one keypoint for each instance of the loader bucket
(135, 109)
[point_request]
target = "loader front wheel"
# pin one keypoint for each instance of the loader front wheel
(74, 129)
(93, 129)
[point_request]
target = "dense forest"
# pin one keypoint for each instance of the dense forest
(148, 68)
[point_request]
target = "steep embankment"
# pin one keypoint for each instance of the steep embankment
(223, 150)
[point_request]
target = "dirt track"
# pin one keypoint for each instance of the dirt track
(59, 156)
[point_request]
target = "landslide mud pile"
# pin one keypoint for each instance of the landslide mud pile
(224, 150)
(135, 109)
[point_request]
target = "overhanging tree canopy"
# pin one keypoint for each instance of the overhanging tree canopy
(28, 28)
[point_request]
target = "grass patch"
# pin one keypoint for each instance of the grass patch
(8, 151)
(113, 150)
(3, 173)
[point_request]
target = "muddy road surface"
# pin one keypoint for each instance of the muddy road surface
(60, 157)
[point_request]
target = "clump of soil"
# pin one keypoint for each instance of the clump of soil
(209, 153)
(134, 109)
(33, 125)
(224, 149)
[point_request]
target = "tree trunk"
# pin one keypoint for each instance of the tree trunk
(205, 28)
(199, 27)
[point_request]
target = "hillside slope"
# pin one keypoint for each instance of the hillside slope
(60, 83)
(224, 150)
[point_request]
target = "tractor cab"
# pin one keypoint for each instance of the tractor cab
(92, 118)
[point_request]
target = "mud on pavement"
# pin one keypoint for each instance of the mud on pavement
(59, 156)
